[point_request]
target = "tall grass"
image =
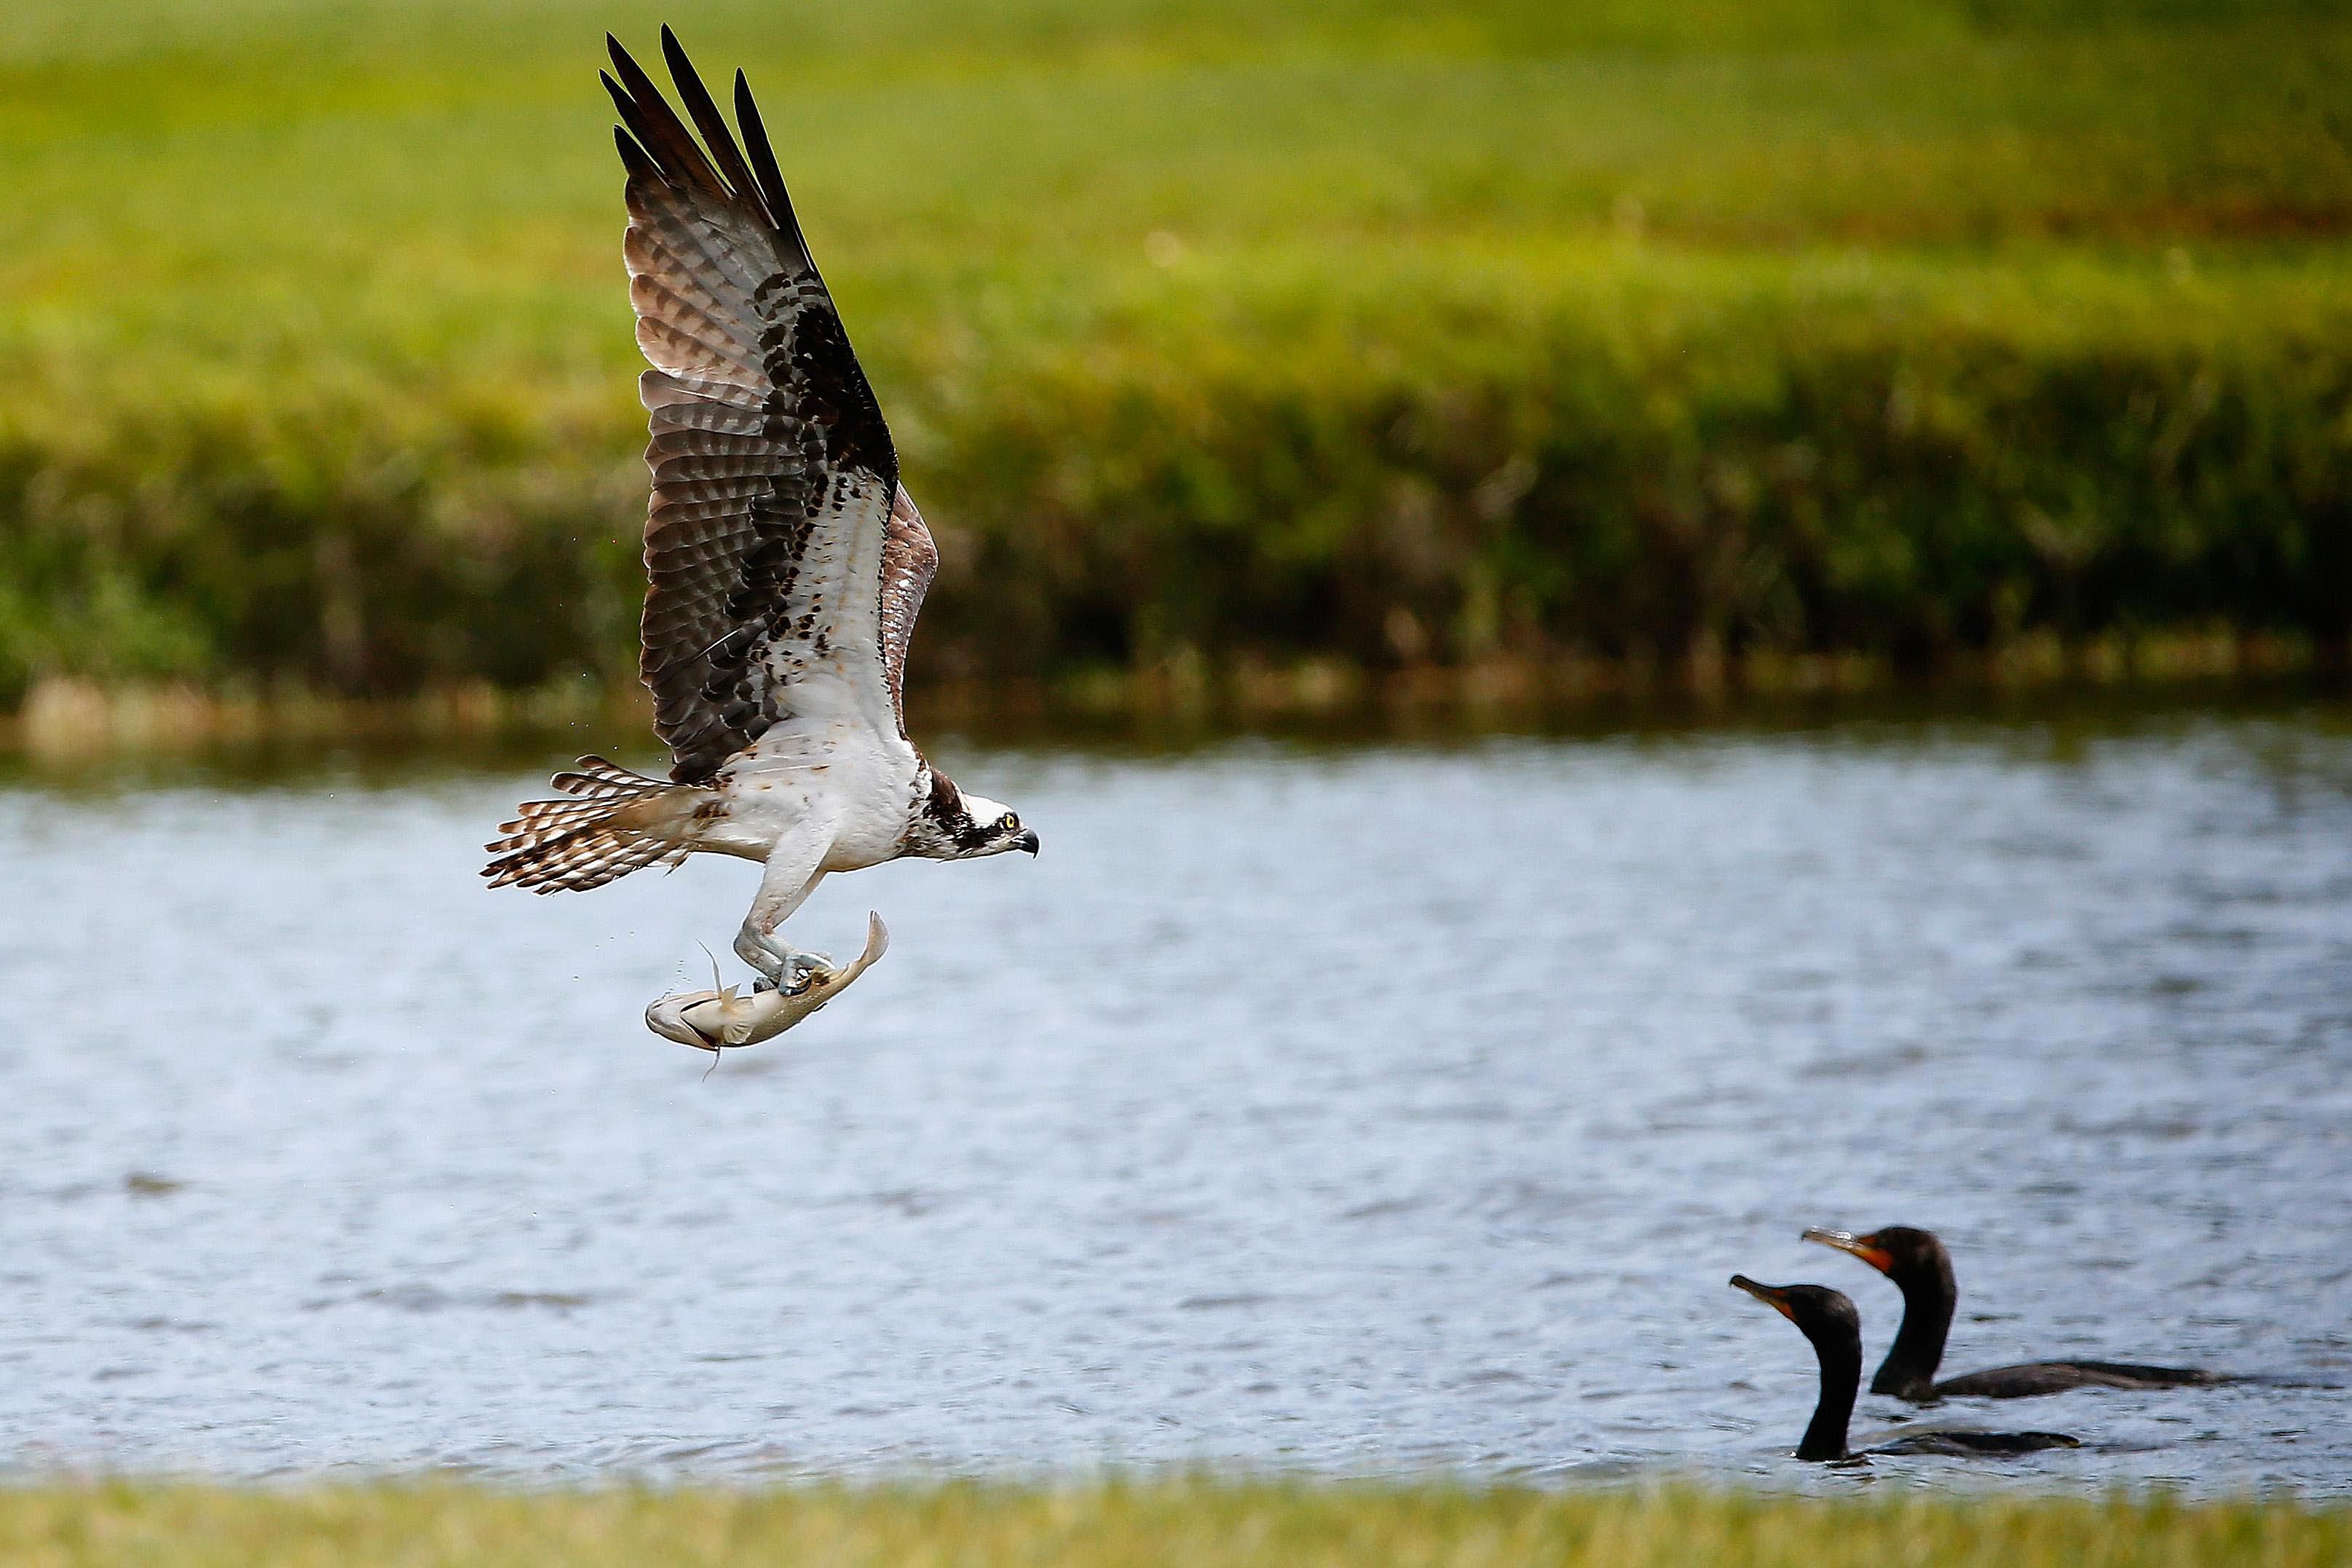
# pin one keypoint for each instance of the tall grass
(1784, 324)
(1201, 1524)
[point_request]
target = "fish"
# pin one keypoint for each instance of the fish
(715, 1020)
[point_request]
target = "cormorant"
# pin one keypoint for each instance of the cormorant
(1922, 1269)
(1829, 1320)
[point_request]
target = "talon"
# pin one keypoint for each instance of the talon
(783, 968)
(808, 969)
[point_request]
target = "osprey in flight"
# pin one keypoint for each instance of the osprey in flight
(786, 565)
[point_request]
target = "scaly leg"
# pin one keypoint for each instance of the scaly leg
(792, 874)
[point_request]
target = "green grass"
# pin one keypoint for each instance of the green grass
(1200, 1524)
(1349, 328)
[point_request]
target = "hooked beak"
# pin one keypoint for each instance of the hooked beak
(1865, 1248)
(1027, 841)
(1772, 1296)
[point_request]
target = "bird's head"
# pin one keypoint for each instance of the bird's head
(1812, 1308)
(1905, 1254)
(1825, 1317)
(951, 825)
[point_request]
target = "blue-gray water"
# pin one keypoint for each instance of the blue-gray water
(1380, 1109)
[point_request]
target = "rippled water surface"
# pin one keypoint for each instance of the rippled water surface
(1382, 1109)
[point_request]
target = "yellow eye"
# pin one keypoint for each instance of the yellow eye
(1009, 822)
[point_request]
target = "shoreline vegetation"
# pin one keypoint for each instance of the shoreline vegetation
(1198, 1522)
(1266, 351)
(63, 719)
(1795, 484)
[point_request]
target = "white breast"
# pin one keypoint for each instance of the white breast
(827, 762)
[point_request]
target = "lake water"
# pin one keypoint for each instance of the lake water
(1371, 1109)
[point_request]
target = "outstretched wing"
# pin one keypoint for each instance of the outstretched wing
(774, 546)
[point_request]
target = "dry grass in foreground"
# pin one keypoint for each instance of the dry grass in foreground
(1200, 1524)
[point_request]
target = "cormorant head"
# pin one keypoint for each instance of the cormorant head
(953, 826)
(1826, 1316)
(1909, 1257)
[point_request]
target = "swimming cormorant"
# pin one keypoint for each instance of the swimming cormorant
(1829, 1320)
(1922, 1269)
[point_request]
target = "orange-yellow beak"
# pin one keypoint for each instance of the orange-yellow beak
(1865, 1248)
(1771, 1296)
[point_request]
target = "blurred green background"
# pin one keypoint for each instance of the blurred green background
(1213, 331)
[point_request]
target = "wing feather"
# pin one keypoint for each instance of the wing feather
(706, 118)
(698, 317)
(716, 418)
(771, 182)
(910, 560)
(774, 547)
(656, 125)
(679, 397)
(692, 240)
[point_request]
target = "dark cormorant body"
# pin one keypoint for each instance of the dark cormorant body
(1829, 1320)
(1922, 1269)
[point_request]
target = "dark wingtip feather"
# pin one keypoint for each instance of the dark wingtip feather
(631, 135)
(770, 178)
(710, 122)
(656, 125)
(639, 162)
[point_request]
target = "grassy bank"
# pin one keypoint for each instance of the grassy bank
(1199, 1524)
(1779, 327)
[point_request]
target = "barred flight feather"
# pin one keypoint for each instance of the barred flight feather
(587, 839)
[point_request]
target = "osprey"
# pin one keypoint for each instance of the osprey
(786, 563)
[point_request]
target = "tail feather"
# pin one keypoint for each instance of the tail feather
(610, 825)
